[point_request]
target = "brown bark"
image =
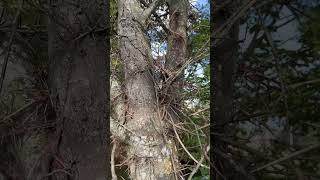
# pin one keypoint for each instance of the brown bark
(222, 75)
(78, 83)
(177, 49)
(176, 57)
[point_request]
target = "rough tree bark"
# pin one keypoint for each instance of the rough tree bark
(222, 74)
(148, 150)
(177, 49)
(176, 57)
(78, 83)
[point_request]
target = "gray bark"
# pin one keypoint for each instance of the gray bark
(118, 109)
(78, 83)
(149, 152)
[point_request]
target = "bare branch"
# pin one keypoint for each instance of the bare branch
(158, 19)
(151, 8)
(290, 156)
(314, 81)
(185, 148)
(198, 165)
(6, 59)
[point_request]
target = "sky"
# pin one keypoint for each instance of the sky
(199, 2)
(202, 5)
(202, 2)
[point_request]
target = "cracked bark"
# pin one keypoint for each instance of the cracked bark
(151, 156)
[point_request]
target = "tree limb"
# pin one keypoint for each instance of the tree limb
(314, 81)
(151, 8)
(6, 59)
(290, 156)
(158, 19)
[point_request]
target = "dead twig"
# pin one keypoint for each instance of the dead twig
(55, 172)
(18, 112)
(185, 149)
(6, 59)
(198, 165)
(290, 156)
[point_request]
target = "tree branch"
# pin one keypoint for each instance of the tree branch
(314, 81)
(158, 19)
(151, 8)
(290, 156)
(6, 59)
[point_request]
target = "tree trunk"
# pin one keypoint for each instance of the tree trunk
(177, 50)
(148, 150)
(78, 83)
(222, 74)
(175, 58)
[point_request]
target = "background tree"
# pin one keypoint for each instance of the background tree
(25, 111)
(66, 100)
(275, 111)
(78, 83)
(223, 66)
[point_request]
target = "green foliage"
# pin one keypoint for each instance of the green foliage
(197, 92)
(199, 35)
